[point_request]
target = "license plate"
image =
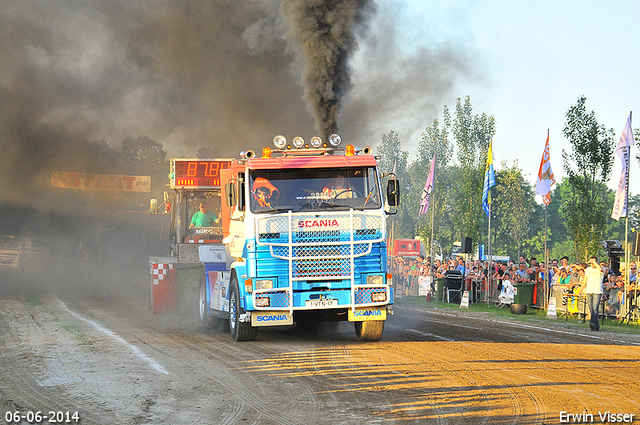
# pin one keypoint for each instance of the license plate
(320, 303)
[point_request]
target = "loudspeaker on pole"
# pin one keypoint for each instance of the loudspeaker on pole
(465, 247)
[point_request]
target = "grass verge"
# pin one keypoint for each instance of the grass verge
(533, 315)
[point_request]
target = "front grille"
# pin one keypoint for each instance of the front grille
(304, 269)
(320, 246)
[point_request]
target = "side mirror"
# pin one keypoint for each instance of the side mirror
(230, 194)
(393, 193)
(153, 206)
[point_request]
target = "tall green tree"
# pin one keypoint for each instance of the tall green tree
(143, 149)
(145, 156)
(514, 205)
(394, 159)
(434, 141)
(472, 133)
(588, 168)
(559, 237)
(208, 152)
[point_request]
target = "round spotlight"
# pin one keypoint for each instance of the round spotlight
(298, 142)
(335, 140)
(279, 142)
(316, 141)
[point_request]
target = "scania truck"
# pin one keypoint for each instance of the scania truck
(301, 239)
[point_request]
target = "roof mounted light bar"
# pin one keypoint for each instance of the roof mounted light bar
(315, 146)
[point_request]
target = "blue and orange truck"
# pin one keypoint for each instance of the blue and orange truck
(301, 239)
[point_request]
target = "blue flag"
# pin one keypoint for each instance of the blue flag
(489, 181)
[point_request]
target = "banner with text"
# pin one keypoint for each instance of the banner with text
(88, 181)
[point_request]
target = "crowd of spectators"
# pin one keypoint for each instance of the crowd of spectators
(566, 277)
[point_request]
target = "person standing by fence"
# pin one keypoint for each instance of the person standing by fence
(593, 290)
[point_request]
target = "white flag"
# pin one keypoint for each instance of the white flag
(428, 188)
(545, 175)
(622, 150)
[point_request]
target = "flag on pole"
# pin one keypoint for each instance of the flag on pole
(545, 175)
(622, 150)
(489, 181)
(428, 188)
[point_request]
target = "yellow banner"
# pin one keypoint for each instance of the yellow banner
(87, 181)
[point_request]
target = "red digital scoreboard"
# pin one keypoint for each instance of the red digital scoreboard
(197, 173)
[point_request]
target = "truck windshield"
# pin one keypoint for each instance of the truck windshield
(314, 189)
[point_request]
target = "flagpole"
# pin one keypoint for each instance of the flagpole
(626, 221)
(546, 254)
(543, 187)
(546, 262)
(489, 182)
(490, 271)
(433, 210)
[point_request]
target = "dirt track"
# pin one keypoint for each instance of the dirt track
(118, 364)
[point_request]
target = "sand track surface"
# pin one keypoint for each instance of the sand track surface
(114, 362)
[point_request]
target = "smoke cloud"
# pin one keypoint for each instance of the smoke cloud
(77, 78)
(323, 36)
(222, 74)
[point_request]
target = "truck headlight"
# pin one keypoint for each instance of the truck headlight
(263, 301)
(378, 297)
(375, 279)
(264, 284)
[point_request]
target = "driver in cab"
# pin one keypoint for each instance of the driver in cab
(339, 188)
(203, 217)
(265, 193)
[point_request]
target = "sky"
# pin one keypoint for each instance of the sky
(230, 75)
(529, 63)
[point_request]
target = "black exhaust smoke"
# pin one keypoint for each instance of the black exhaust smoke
(323, 35)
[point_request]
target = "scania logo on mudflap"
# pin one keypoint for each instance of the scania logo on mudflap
(371, 313)
(308, 224)
(271, 318)
(367, 313)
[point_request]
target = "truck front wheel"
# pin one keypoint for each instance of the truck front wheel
(240, 331)
(370, 330)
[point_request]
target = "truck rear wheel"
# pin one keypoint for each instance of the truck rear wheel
(369, 330)
(206, 320)
(240, 331)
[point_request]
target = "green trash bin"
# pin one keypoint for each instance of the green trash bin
(522, 297)
(440, 281)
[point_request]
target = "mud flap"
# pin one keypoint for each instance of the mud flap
(163, 285)
(271, 318)
(174, 287)
(368, 313)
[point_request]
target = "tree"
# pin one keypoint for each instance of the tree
(394, 159)
(514, 205)
(559, 237)
(206, 152)
(584, 207)
(142, 149)
(392, 155)
(473, 134)
(144, 156)
(434, 140)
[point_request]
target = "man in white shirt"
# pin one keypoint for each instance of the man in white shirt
(593, 290)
